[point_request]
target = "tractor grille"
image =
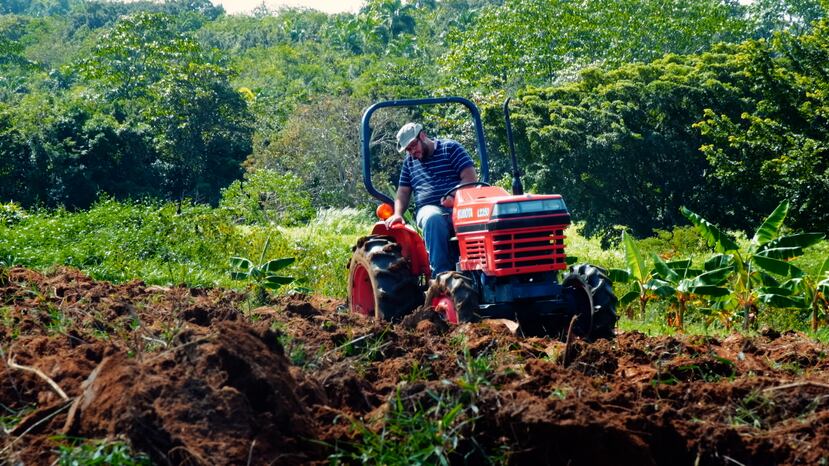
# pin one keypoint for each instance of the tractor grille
(543, 247)
(476, 250)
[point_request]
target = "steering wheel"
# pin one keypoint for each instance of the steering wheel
(451, 192)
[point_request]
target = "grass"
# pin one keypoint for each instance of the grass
(431, 427)
(151, 241)
(98, 452)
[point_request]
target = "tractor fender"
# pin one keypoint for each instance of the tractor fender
(412, 246)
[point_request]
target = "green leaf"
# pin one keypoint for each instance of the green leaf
(770, 228)
(277, 281)
(629, 297)
(777, 266)
(634, 258)
(713, 277)
(719, 261)
(706, 290)
(240, 263)
(277, 264)
(664, 290)
(823, 287)
(777, 290)
(824, 269)
(798, 240)
(239, 275)
(663, 270)
(618, 275)
(679, 265)
(793, 285)
(776, 300)
(720, 241)
(781, 253)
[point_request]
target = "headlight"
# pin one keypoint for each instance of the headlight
(528, 207)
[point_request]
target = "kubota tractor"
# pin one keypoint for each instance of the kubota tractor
(511, 249)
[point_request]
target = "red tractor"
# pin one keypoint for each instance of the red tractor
(511, 249)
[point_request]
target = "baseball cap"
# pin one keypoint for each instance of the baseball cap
(407, 134)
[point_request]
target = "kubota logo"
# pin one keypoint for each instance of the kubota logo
(465, 213)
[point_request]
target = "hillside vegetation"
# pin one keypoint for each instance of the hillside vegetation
(159, 139)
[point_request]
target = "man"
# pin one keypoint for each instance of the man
(431, 168)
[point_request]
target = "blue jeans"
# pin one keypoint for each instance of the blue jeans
(436, 224)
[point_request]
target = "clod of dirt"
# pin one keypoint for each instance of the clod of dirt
(210, 400)
(425, 319)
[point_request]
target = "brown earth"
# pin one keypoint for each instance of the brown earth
(193, 376)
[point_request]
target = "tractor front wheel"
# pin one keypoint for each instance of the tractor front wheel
(595, 301)
(380, 282)
(453, 295)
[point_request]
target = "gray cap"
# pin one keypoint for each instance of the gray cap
(407, 134)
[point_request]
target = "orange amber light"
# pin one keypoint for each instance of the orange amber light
(384, 211)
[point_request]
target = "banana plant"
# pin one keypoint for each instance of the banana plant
(642, 284)
(679, 283)
(262, 275)
(813, 292)
(754, 267)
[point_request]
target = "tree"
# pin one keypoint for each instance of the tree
(320, 143)
(160, 79)
(774, 144)
(539, 41)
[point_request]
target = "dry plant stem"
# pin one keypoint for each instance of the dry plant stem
(33, 426)
(250, 452)
(568, 347)
(797, 384)
(10, 362)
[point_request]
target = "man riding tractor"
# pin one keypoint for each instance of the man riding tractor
(431, 168)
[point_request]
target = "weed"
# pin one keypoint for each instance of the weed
(262, 275)
(59, 322)
(366, 348)
(294, 349)
(749, 410)
(476, 371)
(98, 452)
(11, 417)
(559, 393)
(413, 434)
(8, 321)
(417, 372)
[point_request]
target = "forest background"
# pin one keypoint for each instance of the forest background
(628, 108)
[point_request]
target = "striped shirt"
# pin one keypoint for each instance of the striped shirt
(432, 178)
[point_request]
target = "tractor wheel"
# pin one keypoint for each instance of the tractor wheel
(453, 295)
(380, 283)
(595, 301)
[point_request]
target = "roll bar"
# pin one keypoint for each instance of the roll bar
(365, 135)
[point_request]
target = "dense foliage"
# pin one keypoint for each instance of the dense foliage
(166, 100)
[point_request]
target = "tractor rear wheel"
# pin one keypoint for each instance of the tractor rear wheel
(380, 282)
(595, 301)
(453, 295)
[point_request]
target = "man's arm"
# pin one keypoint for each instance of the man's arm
(468, 175)
(401, 203)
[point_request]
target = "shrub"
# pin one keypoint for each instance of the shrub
(266, 196)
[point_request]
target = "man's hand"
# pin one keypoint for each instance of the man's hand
(395, 218)
(448, 201)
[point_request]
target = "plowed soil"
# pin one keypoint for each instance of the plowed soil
(195, 376)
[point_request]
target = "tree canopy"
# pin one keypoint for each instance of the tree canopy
(629, 108)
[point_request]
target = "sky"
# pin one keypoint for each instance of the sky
(328, 6)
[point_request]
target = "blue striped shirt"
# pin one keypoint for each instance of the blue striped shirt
(432, 178)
